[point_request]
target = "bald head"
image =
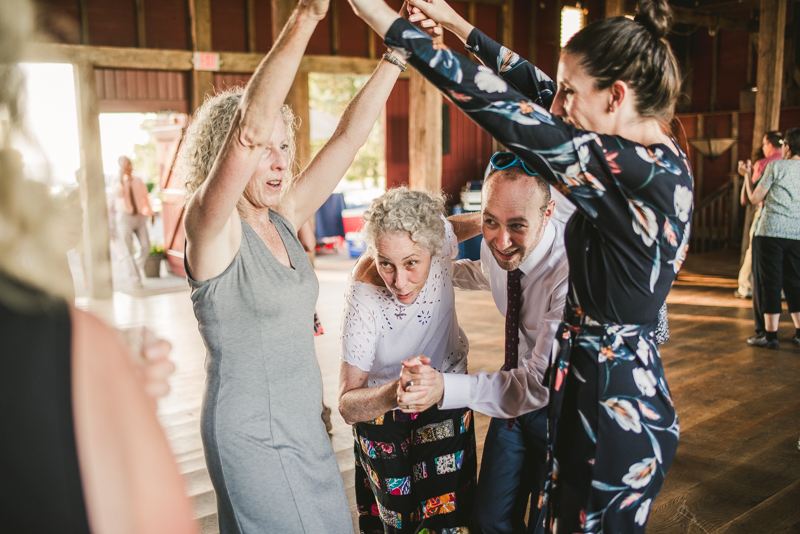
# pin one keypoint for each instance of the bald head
(515, 209)
(535, 188)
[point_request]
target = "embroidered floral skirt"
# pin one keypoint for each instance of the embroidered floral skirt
(613, 429)
(416, 472)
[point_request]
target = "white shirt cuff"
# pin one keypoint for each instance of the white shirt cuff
(457, 391)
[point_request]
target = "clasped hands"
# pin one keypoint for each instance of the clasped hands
(420, 385)
(745, 167)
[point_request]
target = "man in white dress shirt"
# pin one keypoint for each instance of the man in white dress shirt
(518, 234)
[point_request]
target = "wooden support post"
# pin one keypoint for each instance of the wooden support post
(333, 10)
(769, 78)
(507, 33)
(615, 8)
(202, 81)
(250, 14)
(424, 135)
(297, 99)
(84, 14)
(533, 34)
(698, 165)
(141, 35)
(92, 182)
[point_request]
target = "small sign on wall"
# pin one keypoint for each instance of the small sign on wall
(206, 61)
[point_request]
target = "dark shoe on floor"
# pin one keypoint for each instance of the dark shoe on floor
(796, 340)
(741, 296)
(761, 341)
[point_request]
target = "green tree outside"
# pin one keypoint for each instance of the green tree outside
(331, 93)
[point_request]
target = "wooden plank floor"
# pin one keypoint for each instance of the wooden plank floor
(737, 469)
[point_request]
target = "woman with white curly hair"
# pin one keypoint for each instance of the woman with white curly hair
(411, 467)
(254, 291)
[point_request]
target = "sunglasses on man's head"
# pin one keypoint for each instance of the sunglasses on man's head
(504, 160)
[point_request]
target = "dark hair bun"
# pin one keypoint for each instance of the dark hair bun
(656, 16)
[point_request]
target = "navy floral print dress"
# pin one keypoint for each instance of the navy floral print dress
(613, 427)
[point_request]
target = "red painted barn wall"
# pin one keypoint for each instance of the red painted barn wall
(548, 28)
(141, 91)
(165, 24)
(395, 131)
(700, 44)
(111, 23)
(320, 42)
(228, 26)
(353, 33)
(487, 18)
(450, 39)
(263, 16)
(732, 68)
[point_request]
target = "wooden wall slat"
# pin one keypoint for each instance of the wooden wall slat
(263, 12)
(229, 26)
(142, 91)
(165, 24)
(111, 23)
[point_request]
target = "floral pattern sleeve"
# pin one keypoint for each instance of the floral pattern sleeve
(638, 197)
(525, 77)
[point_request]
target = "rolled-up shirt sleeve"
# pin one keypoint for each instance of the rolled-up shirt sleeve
(469, 275)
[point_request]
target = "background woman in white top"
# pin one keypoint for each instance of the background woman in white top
(413, 470)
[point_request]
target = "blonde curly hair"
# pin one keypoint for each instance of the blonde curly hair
(207, 132)
(402, 210)
(29, 217)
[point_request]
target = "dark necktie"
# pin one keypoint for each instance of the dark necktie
(514, 297)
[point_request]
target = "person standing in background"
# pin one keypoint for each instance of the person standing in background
(771, 146)
(776, 239)
(133, 210)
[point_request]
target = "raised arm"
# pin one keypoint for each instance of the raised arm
(525, 77)
(317, 181)
(210, 215)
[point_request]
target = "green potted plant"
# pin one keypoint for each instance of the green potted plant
(152, 267)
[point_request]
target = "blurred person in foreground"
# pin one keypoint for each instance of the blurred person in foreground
(81, 448)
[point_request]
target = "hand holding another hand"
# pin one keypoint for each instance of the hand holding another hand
(420, 386)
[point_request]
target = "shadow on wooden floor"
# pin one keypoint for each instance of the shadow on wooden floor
(737, 469)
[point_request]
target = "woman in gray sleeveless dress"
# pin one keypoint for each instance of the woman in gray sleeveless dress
(254, 291)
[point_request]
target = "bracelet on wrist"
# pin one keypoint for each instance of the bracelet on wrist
(391, 58)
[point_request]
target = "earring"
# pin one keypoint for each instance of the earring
(610, 108)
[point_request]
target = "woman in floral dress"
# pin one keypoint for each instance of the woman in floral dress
(599, 136)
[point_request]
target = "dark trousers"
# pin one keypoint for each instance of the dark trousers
(758, 315)
(777, 263)
(513, 468)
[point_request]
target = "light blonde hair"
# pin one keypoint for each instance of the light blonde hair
(207, 133)
(402, 210)
(29, 237)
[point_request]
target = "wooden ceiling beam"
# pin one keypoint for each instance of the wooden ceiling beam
(113, 57)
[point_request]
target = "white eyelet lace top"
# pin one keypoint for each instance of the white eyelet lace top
(379, 332)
